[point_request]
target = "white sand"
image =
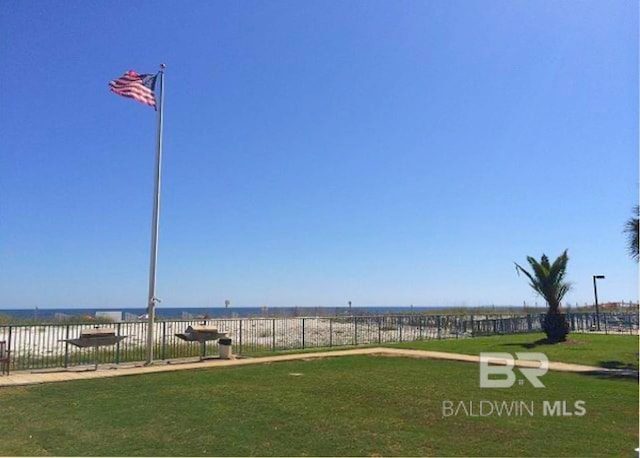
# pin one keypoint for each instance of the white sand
(249, 334)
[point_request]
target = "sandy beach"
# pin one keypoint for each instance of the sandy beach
(47, 342)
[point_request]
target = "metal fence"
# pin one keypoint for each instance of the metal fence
(44, 346)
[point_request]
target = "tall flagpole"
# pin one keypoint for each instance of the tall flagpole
(151, 303)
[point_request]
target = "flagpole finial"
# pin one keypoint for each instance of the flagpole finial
(163, 66)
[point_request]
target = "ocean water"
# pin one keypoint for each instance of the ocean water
(213, 312)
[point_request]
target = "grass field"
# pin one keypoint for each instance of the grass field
(613, 351)
(335, 406)
(591, 349)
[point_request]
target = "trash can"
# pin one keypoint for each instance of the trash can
(224, 345)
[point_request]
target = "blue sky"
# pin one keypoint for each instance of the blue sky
(383, 152)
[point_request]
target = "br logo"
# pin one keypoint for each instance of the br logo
(501, 364)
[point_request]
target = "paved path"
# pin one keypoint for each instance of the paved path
(30, 378)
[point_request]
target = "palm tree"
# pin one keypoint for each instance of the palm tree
(548, 280)
(631, 228)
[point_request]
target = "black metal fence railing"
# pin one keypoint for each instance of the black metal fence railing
(44, 346)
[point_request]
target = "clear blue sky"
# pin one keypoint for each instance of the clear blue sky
(384, 152)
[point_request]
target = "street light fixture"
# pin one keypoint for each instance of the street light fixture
(595, 294)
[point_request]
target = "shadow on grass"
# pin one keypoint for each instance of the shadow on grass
(616, 370)
(530, 345)
(614, 374)
(617, 365)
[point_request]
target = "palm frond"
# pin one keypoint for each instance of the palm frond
(548, 279)
(631, 228)
(544, 261)
(532, 279)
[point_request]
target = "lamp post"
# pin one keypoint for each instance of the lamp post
(595, 294)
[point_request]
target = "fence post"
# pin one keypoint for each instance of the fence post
(11, 360)
(439, 327)
(330, 332)
(303, 333)
(400, 326)
(273, 334)
(420, 321)
(457, 324)
(379, 329)
(118, 344)
(66, 346)
(473, 330)
(164, 340)
(355, 328)
(240, 345)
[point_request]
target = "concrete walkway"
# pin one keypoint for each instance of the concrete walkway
(31, 378)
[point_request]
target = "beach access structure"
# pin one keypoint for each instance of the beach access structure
(35, 347)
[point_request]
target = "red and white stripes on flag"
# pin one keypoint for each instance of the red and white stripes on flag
(136, 86)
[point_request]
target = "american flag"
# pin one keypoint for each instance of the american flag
(136, 86)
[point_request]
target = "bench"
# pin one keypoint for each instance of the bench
(4, 358)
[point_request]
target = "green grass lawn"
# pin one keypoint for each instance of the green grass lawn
(591, 349)
(358, 405)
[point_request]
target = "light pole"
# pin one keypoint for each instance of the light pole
(595, 294)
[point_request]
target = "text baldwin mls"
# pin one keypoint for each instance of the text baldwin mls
(512, 408)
